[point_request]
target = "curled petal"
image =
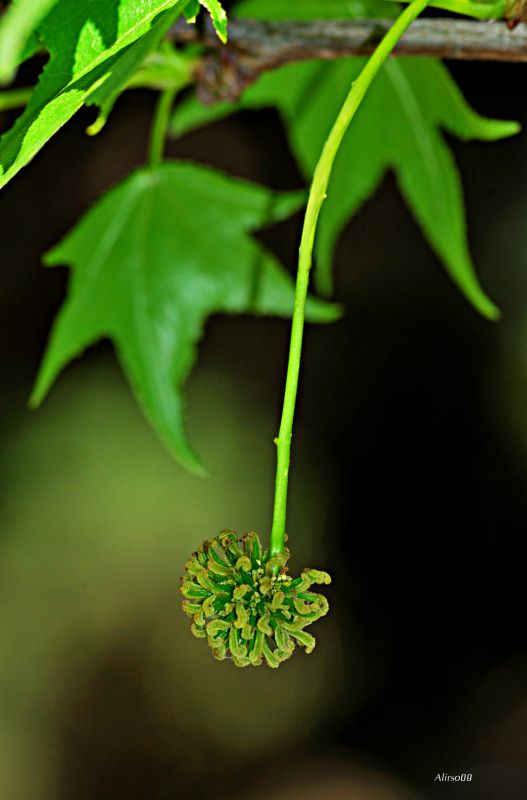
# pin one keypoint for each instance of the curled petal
(193, 566)
(219, 650)
(191, 590)
(204, 579)
(191, 608)
(266, 584)
(229, 543)
(284, 641)
(253, 548)
(305, 609)
(216, 626)
(263, 624)
(198, 631)
(323, 606)
(306, 639)
(237, 649)
(214, 554)
(317, 576)
(218, 569)
(240, 591)
(278, 599)
(244, 562)
(247, 632)
(270, 656)
(208, 605)
(242, 616)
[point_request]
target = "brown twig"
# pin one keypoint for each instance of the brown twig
(255, 46)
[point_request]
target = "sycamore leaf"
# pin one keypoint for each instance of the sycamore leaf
(150, 263)
(216, 11)
(89, 45)
(218, 17)
(398, 127)
(17, 26)
(192, 114)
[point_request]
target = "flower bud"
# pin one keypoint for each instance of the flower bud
(245, 604)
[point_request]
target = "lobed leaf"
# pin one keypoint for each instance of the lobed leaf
(90, 58)
(398, 127)
(150, 263)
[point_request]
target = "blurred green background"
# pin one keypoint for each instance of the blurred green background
(410, 466)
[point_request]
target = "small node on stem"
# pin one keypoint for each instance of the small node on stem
(241, 599)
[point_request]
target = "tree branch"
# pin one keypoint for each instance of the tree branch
(255, 46)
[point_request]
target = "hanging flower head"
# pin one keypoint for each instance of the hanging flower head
(242, 600)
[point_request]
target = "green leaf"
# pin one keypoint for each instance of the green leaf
(17, 26)
(192, 10)
(314, 9)
(218, 17)
(87, 43)
(150, 263)
(398, 127)
(126, 68)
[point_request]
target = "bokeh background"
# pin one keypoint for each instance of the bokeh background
(409, 486)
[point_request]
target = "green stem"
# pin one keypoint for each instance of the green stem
(469, 8)
(14, 98)
(160, 126)
(317, 195)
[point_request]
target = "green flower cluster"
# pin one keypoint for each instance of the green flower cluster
(242, 601)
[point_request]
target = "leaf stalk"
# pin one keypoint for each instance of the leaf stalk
(14, 98)
(160, 126)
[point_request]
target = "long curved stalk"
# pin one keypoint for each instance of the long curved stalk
(317, 195)
(477, 9)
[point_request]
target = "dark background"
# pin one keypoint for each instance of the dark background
(408, 486)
